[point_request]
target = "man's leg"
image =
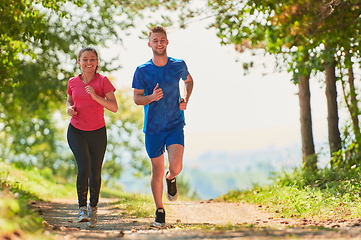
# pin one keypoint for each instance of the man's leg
(157, 180)
(175, 157)
(154, 145)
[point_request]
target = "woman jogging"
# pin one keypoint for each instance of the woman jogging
(88, 94)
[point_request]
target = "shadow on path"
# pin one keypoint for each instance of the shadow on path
(114, 223)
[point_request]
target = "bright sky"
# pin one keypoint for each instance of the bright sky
(227, 110)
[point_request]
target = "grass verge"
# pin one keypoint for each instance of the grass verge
(17, 188)
(20, 187)
(328, 194)
(135, 205)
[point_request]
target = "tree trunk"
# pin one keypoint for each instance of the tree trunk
(353, 109)
(350, 98)
(334, 138)
(308, 147)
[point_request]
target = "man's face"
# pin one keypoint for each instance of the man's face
(158, 43)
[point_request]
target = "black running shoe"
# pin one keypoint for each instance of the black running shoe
(172, 192)
(159, 218)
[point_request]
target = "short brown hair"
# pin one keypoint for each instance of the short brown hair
(157, 29)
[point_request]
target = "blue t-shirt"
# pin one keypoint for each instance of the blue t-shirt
(164, 114)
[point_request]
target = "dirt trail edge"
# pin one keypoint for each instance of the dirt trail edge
(251, 222)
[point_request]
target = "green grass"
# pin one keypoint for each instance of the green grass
(33, 183)
(135, 205)
(19, 187)
(328, 194)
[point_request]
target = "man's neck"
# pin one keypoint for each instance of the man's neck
(160, 61)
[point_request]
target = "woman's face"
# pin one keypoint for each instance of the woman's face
(88, 62)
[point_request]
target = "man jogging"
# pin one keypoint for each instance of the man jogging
(156, 86)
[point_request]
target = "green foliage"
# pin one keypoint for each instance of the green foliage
(349, 157)
(130, 121)
(17, 220)
(125, 138)
(32, 183)
(39, 41)
(48, 36)
(305, 36)
(125, 144)
(295, 29)
(17, 189)
(328, 194)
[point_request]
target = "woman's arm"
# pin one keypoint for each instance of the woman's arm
(70, 106)
(109, 102)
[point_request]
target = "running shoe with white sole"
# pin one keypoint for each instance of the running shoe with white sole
(159, 218)
(83, 214)
(172, 190)
(93, 216)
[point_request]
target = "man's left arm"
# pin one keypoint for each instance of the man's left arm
(188, 88)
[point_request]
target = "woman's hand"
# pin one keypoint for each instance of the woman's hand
(71, 111)
(90, 90)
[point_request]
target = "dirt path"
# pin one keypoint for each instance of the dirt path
(251, 222)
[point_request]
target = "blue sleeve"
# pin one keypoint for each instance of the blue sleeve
(137, 80)
(184, 73)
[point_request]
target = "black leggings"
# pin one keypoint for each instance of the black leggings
(89, 149)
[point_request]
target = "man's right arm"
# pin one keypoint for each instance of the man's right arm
(140, 99)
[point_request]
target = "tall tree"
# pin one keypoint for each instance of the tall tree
(308, 146)
(334, 138)
(351, 97)
(337, 37)
(275, 26)
(307, 34)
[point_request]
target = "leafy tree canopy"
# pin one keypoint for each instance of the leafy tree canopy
(39, 41)
(297, 29)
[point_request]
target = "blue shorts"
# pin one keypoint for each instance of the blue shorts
(155, 144)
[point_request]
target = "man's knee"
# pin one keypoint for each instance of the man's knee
(175, 168)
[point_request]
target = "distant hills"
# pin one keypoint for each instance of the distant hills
(215, 173)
